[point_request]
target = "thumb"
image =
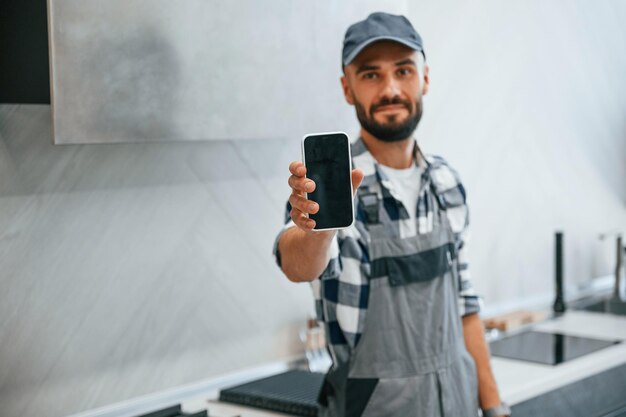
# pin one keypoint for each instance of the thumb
(357, 178)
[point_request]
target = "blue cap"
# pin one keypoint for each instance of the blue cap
(379, 26)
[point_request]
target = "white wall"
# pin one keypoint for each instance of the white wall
(126, 269)
(528, 101)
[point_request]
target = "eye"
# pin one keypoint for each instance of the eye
(405, 71)
(370, 76)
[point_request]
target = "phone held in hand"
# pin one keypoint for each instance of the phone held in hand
(329, 163)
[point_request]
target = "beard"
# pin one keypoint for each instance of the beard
(392, 130)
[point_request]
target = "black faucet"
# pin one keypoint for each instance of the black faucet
(559, 302)
(618, 291)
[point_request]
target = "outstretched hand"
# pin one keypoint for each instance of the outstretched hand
(301, 207)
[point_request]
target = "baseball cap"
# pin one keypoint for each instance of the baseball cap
(379, 26)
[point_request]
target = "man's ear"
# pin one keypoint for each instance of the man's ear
(425, 81)
(347, 93)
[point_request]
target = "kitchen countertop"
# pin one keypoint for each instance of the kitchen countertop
(517, 380)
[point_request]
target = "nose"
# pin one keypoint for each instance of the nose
(391, 88)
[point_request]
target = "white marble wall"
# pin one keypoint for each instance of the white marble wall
(130, 268)
(528, 101)
(158, 70)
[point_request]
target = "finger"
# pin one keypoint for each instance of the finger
(301, 220)
(303, 204)
(357, 179)
(301, 184)
(297, 168)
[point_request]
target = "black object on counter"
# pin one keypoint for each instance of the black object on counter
(546, 348)
(203, 413)
(292, 392)
(165, 412)
(174, 411)
(559, 302)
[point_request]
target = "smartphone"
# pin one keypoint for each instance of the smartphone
(329, 163)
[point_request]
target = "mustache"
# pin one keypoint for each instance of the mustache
(387, 101)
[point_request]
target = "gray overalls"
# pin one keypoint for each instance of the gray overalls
(411, 359)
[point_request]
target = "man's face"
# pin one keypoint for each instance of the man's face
(386, 89)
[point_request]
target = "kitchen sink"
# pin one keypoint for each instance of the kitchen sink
(612, 305)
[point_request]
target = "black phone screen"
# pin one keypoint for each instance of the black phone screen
(327, 161)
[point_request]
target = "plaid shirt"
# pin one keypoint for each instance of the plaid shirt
(341, 291)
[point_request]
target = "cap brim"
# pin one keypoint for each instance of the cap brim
(413, 45)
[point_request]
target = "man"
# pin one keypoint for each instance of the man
(393, 291)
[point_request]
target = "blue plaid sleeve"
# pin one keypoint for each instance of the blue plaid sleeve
(455, 200)
(332, 271)
(469, 301)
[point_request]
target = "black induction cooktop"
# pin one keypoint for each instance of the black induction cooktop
(546, 348)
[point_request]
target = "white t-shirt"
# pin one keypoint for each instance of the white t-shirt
(406, 187)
